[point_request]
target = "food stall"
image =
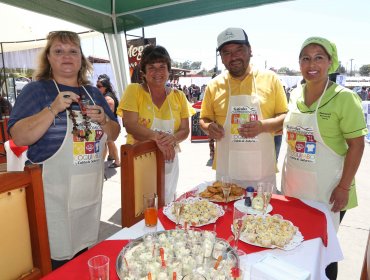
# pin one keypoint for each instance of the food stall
(197, 134)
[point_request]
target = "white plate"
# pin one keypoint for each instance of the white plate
(167, 210)
(204, 186)
(296, 240)
(249, 210)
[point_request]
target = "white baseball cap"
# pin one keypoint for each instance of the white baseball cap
(232, 35)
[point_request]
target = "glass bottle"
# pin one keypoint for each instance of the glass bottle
(257, 202)
(249, 196)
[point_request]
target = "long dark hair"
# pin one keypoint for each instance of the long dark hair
(109, 91)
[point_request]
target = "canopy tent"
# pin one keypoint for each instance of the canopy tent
(19, 25)
(112, 17)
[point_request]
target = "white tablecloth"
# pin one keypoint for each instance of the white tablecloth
(14, 163)
(311, 255)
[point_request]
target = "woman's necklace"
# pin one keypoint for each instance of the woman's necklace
(82, 133)
(86, 131)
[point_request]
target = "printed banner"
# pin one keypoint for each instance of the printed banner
(134, 49)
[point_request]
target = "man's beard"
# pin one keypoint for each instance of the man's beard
(239, 70)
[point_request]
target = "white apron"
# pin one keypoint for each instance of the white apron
(171, 168)
(246, 160)
(311, 169)
(73, 181)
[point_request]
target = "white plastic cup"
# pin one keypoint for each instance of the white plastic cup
(99, 267)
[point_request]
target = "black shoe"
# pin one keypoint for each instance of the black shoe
(114, 165)
(109, 158)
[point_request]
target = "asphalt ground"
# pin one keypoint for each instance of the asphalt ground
(352, 234)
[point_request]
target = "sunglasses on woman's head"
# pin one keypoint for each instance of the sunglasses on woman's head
(62, 33)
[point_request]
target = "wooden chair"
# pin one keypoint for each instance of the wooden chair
(142, 171)
(24, 243)
(365, 272)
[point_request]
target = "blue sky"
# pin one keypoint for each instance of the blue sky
(275, 32)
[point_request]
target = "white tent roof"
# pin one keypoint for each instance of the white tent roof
(22, 25)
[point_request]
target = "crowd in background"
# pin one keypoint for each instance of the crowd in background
(364, 93)
(193, 92)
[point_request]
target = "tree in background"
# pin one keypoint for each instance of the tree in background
(365, 70)
(190, 65)
(341, 69)
(287, 71)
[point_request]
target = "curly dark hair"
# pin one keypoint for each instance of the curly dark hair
(152, 54)
(105, 82)
(103, 76)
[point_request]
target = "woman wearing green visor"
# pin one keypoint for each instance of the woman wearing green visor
(324, 130)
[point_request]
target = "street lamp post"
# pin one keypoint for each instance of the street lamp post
(351, 74)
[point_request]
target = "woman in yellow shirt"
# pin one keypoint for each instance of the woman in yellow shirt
(152, 110)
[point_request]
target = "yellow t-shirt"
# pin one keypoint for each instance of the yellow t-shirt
(270, 91)
(136, 99)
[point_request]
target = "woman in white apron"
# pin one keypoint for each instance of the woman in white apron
(153, 111)
(67, 138)
(324, 130)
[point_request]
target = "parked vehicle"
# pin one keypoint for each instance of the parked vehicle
(20, 82)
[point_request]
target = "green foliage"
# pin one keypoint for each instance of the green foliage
(341, 69)
(195, 65)
(365, 70)
(189, 65)
(287, 71)
(17, 72)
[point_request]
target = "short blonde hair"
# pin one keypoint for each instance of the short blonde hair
(44, 71)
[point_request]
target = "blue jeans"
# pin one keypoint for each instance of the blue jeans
(277, 140)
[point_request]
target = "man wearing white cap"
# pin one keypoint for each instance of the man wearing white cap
(242, 108)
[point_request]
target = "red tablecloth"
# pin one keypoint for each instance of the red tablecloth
(77, 268)
(310, 221)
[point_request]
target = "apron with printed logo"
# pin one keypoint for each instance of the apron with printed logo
(247, 161)
(171, 168)
(311, 169)
(73, 181)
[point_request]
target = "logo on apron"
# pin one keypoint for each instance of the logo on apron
(241, 115)
(301, 143)
(86, 151)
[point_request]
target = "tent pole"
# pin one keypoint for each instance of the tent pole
(3, 79)
(117, 49)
